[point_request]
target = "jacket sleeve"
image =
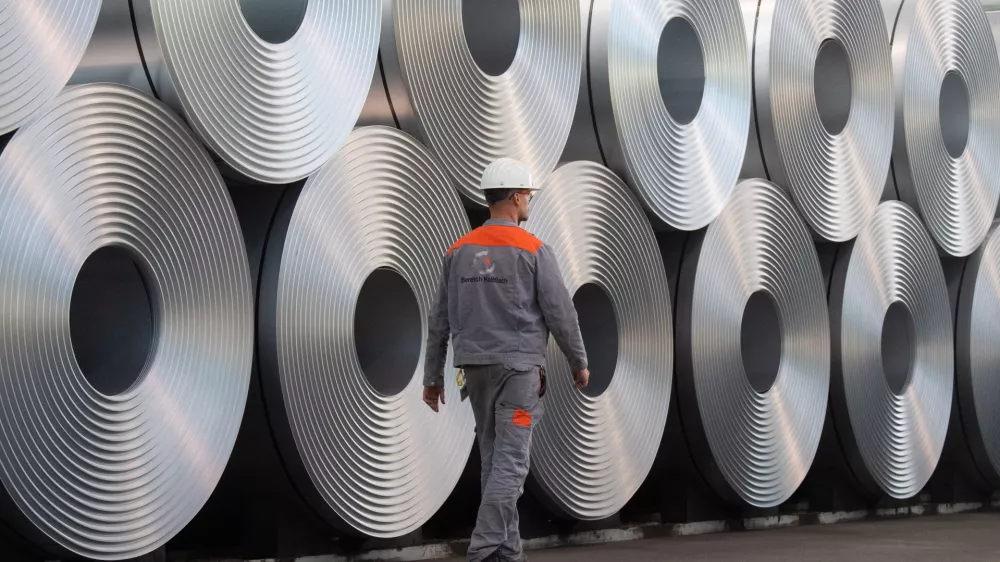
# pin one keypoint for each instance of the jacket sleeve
(558, 310)
(438, 332)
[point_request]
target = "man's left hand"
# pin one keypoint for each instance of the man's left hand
(432, 394)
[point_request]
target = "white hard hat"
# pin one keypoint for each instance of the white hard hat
(506, 173)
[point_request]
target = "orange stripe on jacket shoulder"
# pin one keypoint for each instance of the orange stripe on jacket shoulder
(496, 235)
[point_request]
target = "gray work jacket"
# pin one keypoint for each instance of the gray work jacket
(500, 295)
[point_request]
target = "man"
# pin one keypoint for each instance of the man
(500, 295)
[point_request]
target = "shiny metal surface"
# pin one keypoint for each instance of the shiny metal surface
(891, 398)
(40, 46)
(113, 53)
(823, 107)
(977, 355)
(112, 477)
(345, 403)
(947, 89)
(753, 347)
(591, 452)
(669, 87)
(274, 112)
(470, 118)
(992, 8)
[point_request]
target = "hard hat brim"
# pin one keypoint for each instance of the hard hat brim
(489, 187)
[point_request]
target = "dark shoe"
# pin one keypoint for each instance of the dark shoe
(495, 557)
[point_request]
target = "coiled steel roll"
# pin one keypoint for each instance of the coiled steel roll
(40, 46)
(977, 359)
(947, 89)
(669, 87)
(272, 88)
(596, 447)
(753, 347)
(823, 107)
(468, 117)
(349, 273)
(114, 475)
(891, 388)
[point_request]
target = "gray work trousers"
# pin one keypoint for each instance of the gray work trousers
(507, 407)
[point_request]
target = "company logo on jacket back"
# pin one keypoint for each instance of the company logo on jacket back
(485, 266)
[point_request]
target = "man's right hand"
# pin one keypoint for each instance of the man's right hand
(581, 379)
(432, 395)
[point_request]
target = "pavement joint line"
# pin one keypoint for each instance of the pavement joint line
(437, 551)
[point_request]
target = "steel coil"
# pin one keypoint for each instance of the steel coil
(511, 92)
(947, 89)
(753, 347)
(669, 98)
(349, 273)
(977, 358)
(594, 448)
(823, 107)
(109, 463)
(891, 389)
(40, 46)
(272, 88)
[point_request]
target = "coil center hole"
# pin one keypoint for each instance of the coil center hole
(387, 331)
(599, 327)
(492, 32)
(898, 331)
(955, 113)
(680, 66)
(273, 21)
(760, 341)
(832, 83)
(111, 320)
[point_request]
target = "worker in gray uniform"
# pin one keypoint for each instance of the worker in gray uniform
(500, 295)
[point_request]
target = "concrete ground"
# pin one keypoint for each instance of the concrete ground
(944, 537)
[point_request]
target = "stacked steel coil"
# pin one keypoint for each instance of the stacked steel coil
(350, 269)
(596, 447)
(977, 358)
(111, 468)
(40, 45)
(891, 388)
(273, 90)
(753, 347)
(947, 89)
(665, 86)
(520, 107)
(822, 107)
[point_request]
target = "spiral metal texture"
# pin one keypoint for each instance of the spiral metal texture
(590, 454)
(683, 169)
(944, 159)
(977, 356)
(823, 124)
(375, 463)
(893, 437)
(468, 117)
(753, 443)
(114, 477)
(274, 112)
(40, 46)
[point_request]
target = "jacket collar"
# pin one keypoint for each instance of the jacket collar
(499, 222)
